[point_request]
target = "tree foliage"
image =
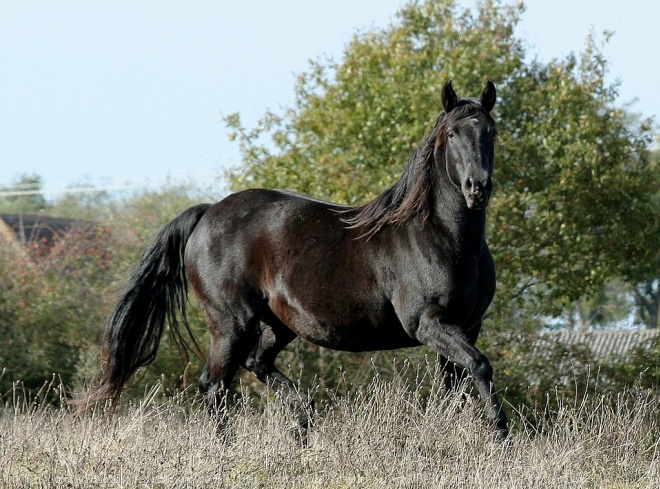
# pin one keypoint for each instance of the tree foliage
(54, 299)
(23, 196)
(50, 307)
(573, 203)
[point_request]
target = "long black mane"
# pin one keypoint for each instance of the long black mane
(411, 195)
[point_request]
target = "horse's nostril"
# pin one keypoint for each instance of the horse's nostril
(478, 189)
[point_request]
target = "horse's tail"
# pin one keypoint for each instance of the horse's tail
(155, 291)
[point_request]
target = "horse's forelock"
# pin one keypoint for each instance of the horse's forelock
(465, 107)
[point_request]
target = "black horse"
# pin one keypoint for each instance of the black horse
(410, 267)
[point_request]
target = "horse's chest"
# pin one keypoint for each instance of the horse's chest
(456, 287)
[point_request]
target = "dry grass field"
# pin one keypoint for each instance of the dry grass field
(387, 434)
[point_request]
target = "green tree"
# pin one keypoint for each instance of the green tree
(574, 183)
(83, 201)
(647, 301)
(54, 304)
(23, 196)
(647, 291)
(574, 204)
(609, 304)
(50, 308)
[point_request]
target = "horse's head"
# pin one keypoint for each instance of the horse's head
(466, 143)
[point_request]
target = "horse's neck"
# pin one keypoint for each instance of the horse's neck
(465, 228)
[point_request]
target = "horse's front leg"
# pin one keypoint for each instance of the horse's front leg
(452, 343)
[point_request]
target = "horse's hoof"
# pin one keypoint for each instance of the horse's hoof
(500, 435)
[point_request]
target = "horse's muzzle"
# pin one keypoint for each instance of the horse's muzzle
(477, 194)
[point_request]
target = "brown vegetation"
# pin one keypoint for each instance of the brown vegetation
(391, 434)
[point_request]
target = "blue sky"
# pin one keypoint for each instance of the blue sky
(134, 91)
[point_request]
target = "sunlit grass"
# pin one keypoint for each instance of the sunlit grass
(386, 434)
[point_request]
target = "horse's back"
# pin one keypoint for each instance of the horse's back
(263, 237)
(240, 230)
(250, 217)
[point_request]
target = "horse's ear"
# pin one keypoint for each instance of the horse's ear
(449, 98)
(488, 96)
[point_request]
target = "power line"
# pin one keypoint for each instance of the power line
(34, 188)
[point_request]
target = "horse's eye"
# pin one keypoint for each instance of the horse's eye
(494, 135)
(451, 135)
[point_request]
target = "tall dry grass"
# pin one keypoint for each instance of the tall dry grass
(388, 434)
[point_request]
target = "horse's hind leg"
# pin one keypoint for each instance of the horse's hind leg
(231, 341)
(261, 361)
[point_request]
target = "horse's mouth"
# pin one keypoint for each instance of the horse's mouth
(475, 203)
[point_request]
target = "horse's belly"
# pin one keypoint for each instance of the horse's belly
(359, 335)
